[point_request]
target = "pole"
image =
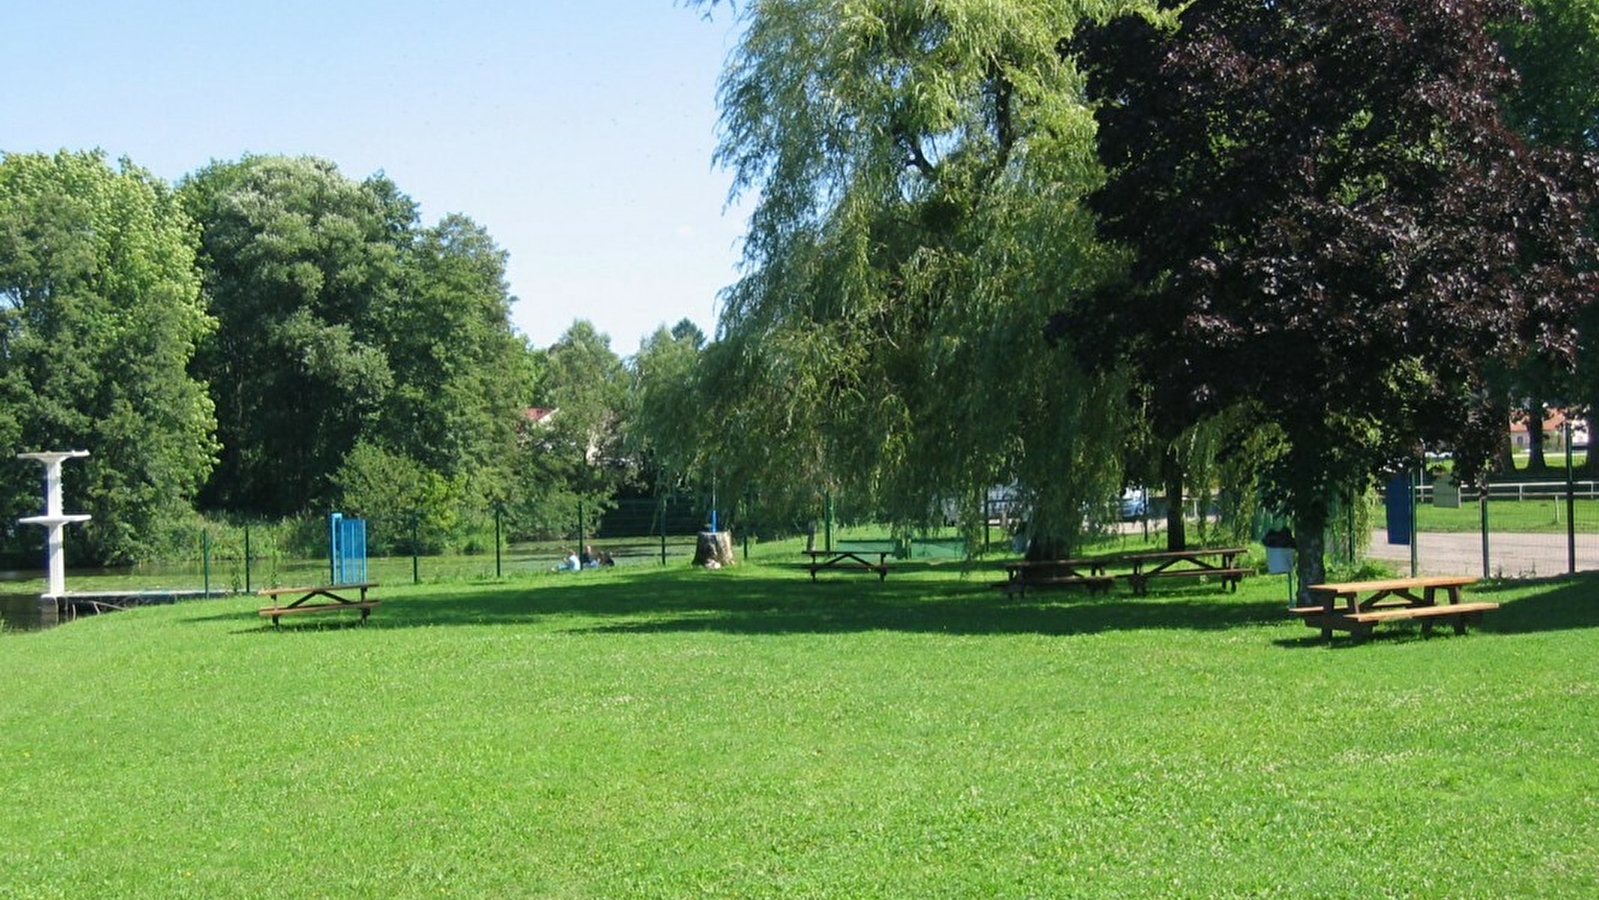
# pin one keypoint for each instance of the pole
(1415, 509)
(1571, 509)
(333, 547)
(499, 510)
(660, 505)
(827, 521)
(1482, 502)
(581, 538)
(416, 546)
(205, 561)
(984, 505)
(247, 558)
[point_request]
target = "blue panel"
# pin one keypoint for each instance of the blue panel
(1401, 509)
(346, 549)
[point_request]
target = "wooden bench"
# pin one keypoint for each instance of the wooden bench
(847, 559)
(336, 594)
(1357, 606)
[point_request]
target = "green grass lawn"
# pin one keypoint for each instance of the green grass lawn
(1543, 516)
(746, 733)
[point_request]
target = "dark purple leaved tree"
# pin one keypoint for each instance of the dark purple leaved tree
(1332, 230)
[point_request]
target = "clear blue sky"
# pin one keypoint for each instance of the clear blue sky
(579, 135)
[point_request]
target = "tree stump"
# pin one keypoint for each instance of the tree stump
(714, 549)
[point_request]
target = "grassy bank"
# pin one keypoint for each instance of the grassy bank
(746, 733)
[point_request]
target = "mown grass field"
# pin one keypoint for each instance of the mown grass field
(1542, 516)
(672, 733)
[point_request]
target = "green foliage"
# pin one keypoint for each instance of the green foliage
(297, 260)
(1555, 52)
(100, 315)
(460, 375)
(917, 168)
(343, 321)
(408, 506)
(575, 456)
(665, 416)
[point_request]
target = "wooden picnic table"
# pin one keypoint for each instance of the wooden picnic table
(1022, 574)
(1195, 562)
(337, 595)
(847, 559)
(1357, 606)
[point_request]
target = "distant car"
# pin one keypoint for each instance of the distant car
(1134, 503)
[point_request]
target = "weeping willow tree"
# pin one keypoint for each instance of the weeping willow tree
(918, 167)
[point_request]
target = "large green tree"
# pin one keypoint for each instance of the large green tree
(344, 323)
(1335, 234)
(917, 168)
(100, 314)
(1554, 50)
(574, 455)
(661, 433)
(439, 454)
(297, 261)
(460, 374)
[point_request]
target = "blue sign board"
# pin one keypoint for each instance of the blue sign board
(1401, 508)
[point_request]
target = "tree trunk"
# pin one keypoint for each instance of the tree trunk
(714, 549)
(1535, 440)
(1310, 528)
(1176, 535)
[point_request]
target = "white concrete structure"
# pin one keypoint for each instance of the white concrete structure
(53, 519)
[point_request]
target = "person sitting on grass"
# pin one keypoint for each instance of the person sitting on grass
(569, 564)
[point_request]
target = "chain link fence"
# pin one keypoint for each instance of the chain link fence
(1523, 528)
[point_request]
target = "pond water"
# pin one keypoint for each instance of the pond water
(24, 612)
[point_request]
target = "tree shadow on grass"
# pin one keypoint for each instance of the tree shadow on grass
(1562, 604)
(781, 603)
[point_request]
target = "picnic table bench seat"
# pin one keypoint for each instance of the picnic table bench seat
(337, 597)
(1218, 562)
(1229, 575)
(1088, 573)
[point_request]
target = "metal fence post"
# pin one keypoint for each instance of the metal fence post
(827, 521)
(1571, 509)
(1482, 504)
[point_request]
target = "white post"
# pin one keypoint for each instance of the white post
(53, 520)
